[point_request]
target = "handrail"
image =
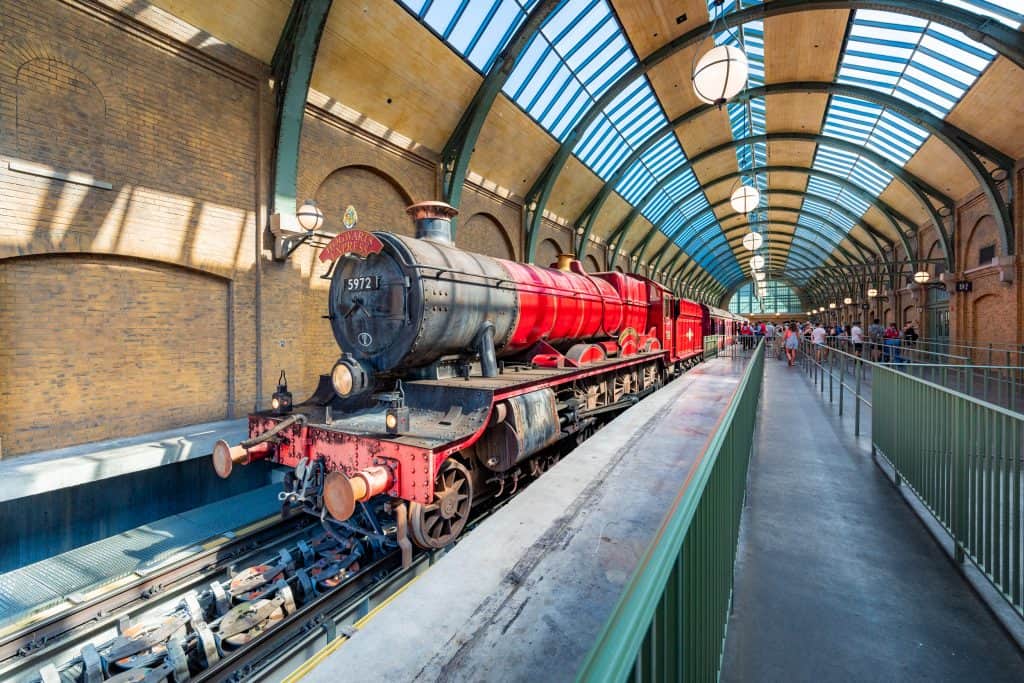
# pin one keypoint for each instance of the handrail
(960, 455)
(684, 580)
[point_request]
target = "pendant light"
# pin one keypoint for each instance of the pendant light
(722, 71)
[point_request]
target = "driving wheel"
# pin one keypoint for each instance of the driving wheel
(437, 524)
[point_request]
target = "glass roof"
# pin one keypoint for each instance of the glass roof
(917, 60)
(580, 51)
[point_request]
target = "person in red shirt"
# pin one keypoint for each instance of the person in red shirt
(892, 344)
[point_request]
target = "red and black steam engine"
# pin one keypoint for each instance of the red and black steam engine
(458, 373)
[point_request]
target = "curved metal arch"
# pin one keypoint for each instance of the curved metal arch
(804, 246)
(864, 250)
(745, 226)
(799, 253)
(893, 216)
(837, 143)
(993, 34)
(689, 266)
(876, 236)
(720, 251)
(459, 149)
(964, 145)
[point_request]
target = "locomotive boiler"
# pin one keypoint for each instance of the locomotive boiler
(458, 371)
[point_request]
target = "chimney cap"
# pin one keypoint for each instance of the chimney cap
(431, 209)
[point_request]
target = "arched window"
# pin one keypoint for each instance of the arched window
(780, 298)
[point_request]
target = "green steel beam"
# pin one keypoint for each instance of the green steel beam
(915, 184)
(967, 147)
(459, 149)
(1000, 38)
(292, 67)
(801, 248)
(876, 236)
(892, 215)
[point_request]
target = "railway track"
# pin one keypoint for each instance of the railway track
(304, 584)
(200, 619)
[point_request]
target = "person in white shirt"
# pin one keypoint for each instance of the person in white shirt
(857, 338)
(769, 336)
(818, 335)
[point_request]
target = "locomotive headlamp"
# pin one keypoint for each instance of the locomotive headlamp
(391, 421)
(281, 402)
(349, 378)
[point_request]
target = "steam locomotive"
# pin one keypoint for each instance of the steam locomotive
(460, 371)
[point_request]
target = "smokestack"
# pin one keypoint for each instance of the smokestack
(564, 262)
(433, 220)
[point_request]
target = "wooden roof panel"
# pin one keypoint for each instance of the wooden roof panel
(253, 26)
(653, 23)
(993, 109)
(803, 46)
(940, 166)
(379, 60)
(794, 113)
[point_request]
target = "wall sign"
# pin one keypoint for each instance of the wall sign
(964, 286)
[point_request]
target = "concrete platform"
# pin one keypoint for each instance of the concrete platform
(526, 594)
(58, 500)
(44, 471)
(836, 578)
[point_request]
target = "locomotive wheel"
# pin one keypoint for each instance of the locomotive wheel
(437, 524)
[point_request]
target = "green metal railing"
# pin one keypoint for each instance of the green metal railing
(962, 458)
(671, 621)
(959, 455)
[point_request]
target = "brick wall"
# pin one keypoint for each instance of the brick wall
(115, 315)
(122, 346)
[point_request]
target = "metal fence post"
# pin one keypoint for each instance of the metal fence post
(859, 372)
(842, 378)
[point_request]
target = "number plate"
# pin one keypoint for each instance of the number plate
(360, 284)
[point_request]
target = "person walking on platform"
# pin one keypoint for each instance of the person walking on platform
(892, 344)
(909, 340)
(791, 340)
(876, 335)
(769, 336)
(857, 339)
(818, 336)
(745, 335)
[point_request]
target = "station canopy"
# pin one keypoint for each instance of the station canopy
(827, 128)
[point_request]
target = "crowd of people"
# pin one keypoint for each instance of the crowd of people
(877, 342)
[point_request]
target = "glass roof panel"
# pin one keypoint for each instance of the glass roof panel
(927, 64)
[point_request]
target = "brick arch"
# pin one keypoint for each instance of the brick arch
(19, 51)
(548, 251)
(75, 140)
(483, 233)
(379, 199)
(986, 319)
(983, 233)
(591, 264)
(120, 327)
